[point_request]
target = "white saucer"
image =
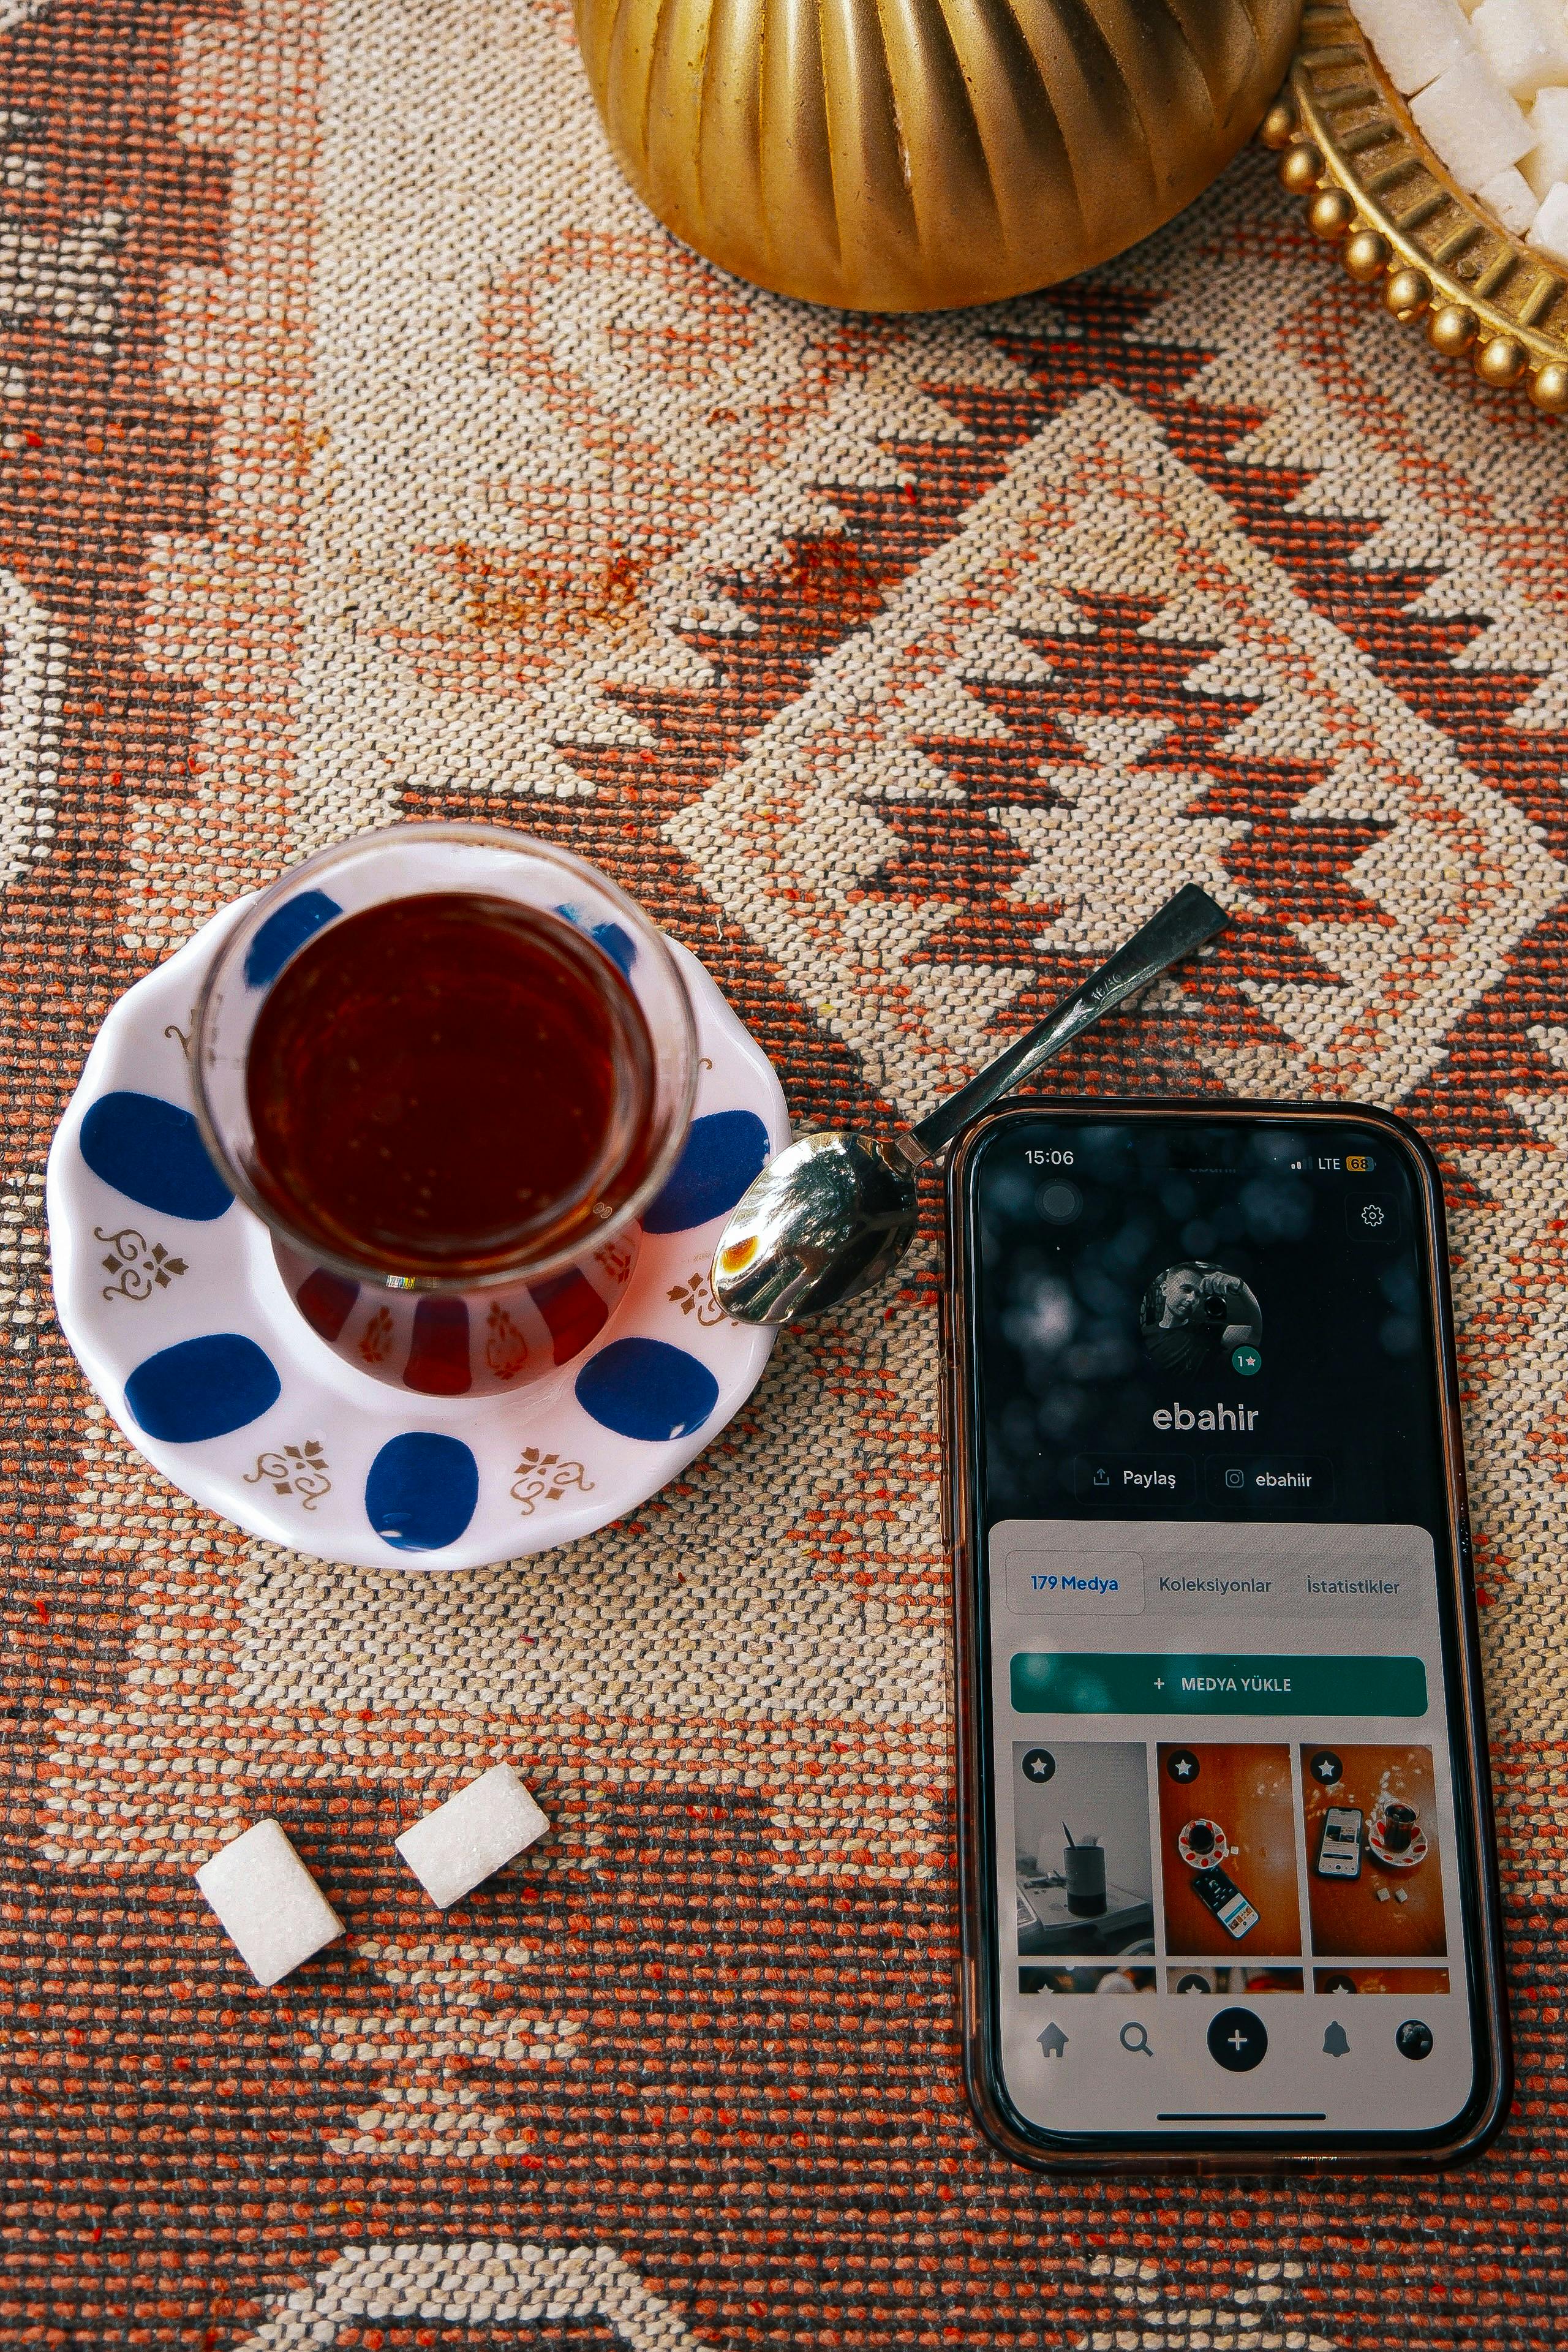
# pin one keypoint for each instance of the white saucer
(316, 1445)
(1218, 1852)
(1415, 1853)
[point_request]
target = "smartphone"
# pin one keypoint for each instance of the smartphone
(1220, 1893)
(1338, 1848)
(1203, 1489)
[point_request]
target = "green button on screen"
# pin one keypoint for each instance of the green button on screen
(1111, 1682)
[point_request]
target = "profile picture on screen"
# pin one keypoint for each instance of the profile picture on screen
(1195, 1313)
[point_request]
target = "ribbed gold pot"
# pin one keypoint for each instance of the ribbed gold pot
(918, 154)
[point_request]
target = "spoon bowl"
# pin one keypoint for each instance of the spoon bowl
(826, 1219)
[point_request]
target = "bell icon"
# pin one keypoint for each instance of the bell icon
(1336, 2041)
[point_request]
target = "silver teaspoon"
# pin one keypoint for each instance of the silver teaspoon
(831, 1214)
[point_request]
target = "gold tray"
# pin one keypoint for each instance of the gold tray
(1374, 189)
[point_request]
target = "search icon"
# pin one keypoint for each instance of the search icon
(1135, 2036)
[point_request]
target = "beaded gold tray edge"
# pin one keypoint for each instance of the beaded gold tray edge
(1373, 188)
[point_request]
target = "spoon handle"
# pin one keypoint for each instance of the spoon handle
(1182, 924)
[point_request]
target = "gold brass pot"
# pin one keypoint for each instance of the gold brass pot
(918, 154)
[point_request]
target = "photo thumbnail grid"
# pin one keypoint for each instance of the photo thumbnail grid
(1089, 1903)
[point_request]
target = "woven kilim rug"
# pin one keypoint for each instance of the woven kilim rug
(367, 450)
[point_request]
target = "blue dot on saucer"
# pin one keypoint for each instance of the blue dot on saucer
(152, 1151)
(202, 1388)
(643, 1387)
(721, 1156)
(421, 1491)
(617, 943)
(284, 932)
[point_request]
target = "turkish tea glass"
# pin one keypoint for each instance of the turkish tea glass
(523, 1318)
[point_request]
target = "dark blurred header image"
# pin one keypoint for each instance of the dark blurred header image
(1124, 1272)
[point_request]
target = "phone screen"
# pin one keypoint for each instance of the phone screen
(1230, 1854)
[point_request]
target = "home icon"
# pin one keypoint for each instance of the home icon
(1053, 2041)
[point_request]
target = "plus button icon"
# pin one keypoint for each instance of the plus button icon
(1236, 2041)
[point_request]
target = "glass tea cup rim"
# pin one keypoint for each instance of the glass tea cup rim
(649, 941)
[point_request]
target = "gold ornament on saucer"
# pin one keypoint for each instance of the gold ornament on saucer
(1369, 184)
(921, 155)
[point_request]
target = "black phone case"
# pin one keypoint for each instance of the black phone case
(1214, 1889)
(1322, 1844)
(1116, 2152)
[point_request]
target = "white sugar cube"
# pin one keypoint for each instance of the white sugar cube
(1547, 161)
(1475, 126)
(1548, 230)
(1415, 40)
(473, 1834)
(1510, 199)
(273, 1910)
(1524, 41)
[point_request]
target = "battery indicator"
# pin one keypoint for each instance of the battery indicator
(1359, 1164)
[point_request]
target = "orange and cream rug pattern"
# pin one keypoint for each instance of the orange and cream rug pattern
(365, 452)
